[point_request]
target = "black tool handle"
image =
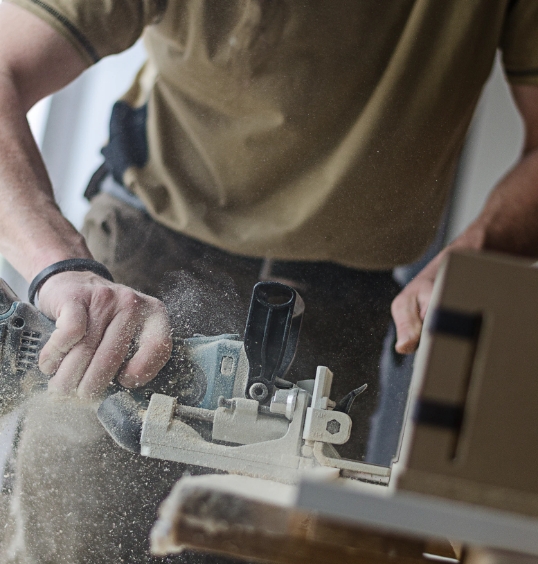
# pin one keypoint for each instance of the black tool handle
(271, 336)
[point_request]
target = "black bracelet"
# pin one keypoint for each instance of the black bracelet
(69, 265)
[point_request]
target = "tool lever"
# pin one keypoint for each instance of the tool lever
(271, 337)
(345, 404)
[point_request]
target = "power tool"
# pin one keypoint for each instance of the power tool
(220, 402)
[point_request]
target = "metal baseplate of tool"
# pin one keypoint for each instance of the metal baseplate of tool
(220, 402)
(245, 438)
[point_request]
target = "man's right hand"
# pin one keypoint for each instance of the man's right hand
(97, 322)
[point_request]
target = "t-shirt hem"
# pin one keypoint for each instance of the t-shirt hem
(279, 252)
(526, 76)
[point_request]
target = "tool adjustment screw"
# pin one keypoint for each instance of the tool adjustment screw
(258, 391)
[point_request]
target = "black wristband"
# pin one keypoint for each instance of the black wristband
(69, 265)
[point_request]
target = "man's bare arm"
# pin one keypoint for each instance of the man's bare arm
(96, 320)
(507, 223)
(34, 62)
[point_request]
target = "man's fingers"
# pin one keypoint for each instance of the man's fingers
(406, 314)
(75, 363)
(408, 311)
(96, 322)
(71, 327)
(108, 357)
(154, 352)
(71, 370)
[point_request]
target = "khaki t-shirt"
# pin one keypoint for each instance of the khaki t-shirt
(318, 130)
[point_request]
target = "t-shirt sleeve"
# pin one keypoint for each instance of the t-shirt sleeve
(519, 42)
(97, 28)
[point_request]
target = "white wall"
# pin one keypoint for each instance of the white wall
(494, 144)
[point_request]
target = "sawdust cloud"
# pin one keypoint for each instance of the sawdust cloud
(208, 304)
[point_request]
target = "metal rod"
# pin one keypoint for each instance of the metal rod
(194, 413)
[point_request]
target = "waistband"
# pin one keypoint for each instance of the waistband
(301, 275)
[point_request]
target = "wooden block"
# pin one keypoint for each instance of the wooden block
(201, 517)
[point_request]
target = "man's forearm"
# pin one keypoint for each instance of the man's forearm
(96, 320)
(508, 223)
(33, 232)
(34, 62)
(509, 219)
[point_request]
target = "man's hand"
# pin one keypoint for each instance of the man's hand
(410, 306)
(506, 224)
(96, 323)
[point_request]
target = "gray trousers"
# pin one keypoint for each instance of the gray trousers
(76, 496)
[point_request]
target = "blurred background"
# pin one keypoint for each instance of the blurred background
(72, 126)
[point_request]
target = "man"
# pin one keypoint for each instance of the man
(321, 136)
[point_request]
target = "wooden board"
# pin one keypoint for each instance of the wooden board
(254, 519)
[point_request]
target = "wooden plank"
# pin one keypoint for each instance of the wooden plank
(202, 518)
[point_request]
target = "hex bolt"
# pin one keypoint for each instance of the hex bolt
(333, 427)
